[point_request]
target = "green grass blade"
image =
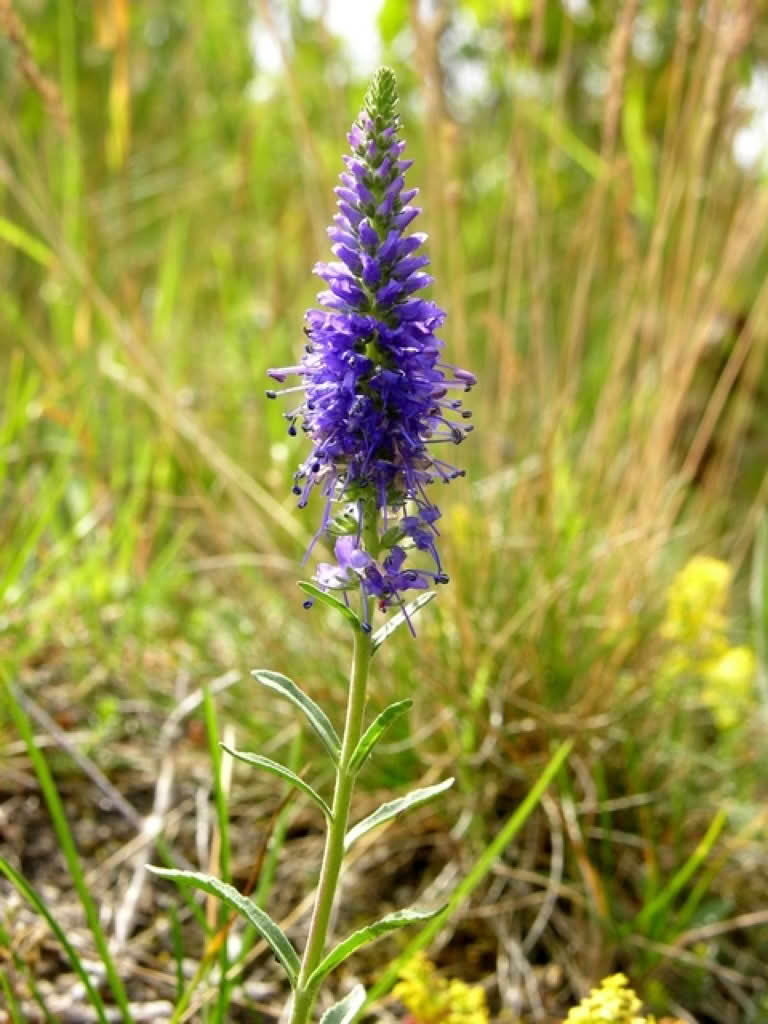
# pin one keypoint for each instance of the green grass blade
(68, 848)
(267, 874)
(36, 901)
(758, 599)
(222, 807)
(24, 968)
(23, 548)
(177, 946)
(648, 916)
(24, 242)
(284, 773)
(13, 1007)
(222, 815)
(392, 808)
(482, 866)
(271, 856)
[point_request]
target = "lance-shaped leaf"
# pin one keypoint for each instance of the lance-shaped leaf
(364, 936)
(285, 773)
(262, 922)
(345, 1011)
(417, 798)
(411, 609)
(315, 716)
(34, 898)
(317, 594)
(373, 733)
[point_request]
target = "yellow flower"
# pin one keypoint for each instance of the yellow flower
(730, 685)
(613, 1002)
(697, 626)
(696, 601)
(432, 999)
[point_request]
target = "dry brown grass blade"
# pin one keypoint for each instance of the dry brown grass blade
(156, 394)
(594, 223)
(12, 27)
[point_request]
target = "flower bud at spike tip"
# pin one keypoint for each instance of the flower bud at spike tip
(378, 399)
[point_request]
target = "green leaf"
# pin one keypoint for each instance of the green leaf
(262, 922)
(10, 1000)
(25, 242)
(364, 936)
(390, 810)
(758, 600)
(392, 20)
(316, 717)
(480, 868)
(331, 602)
(32, 897)
(283, 772)
(343, 525)
(373, 733)
(410, 610)
(345, 1011)
(639, 146)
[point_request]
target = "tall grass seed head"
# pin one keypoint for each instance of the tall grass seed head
(377, 398)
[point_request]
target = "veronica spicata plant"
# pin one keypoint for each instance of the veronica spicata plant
(377, 400)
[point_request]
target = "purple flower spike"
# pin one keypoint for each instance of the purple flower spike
(377, 394)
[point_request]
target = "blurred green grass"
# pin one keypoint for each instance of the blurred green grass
(602, 259)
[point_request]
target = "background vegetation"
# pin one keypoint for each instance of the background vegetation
(601, 253)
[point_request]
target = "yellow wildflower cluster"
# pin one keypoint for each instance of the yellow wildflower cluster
(432, 999)
(612, 1002)
(697, 627)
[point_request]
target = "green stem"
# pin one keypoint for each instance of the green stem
(304, 997)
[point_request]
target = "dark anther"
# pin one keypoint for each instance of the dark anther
(271, 394)
(466, 415)
(307, 604)
(296, 490)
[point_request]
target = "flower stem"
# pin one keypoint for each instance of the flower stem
(304, 997)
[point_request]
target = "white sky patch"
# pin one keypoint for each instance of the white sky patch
(750, 143)
(579, 9)
(354, 21)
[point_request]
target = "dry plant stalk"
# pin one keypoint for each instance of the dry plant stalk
(12, 27)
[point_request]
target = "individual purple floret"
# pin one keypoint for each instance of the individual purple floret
(377, 396)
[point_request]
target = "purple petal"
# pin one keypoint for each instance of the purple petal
(350, 556)
(368, 234)
(402, 220)
(331, 576)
